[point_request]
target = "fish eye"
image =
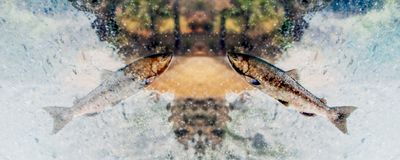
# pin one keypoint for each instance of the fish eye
(149, 80)
(252, 81)
(218, 132)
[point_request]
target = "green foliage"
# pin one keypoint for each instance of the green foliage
(264, 10)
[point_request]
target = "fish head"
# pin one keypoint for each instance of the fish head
(159, 63)
(246, 66)
(149, 67)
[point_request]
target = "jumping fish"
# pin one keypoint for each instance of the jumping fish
(115, 88)
(283, 87)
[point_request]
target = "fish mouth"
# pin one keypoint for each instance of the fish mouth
(160, 62)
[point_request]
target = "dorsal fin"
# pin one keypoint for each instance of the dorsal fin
(323, 100)
(293, 73)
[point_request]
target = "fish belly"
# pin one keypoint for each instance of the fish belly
(109, 93)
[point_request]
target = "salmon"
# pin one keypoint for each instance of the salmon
(284, 87)
(116, 87)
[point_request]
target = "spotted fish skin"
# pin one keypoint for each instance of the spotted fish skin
(117, 87)
(281, 86)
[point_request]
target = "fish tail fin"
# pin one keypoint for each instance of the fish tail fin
(340, 115)
(61, 116)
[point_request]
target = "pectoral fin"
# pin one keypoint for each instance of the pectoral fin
(307, 114)
(284, 102)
